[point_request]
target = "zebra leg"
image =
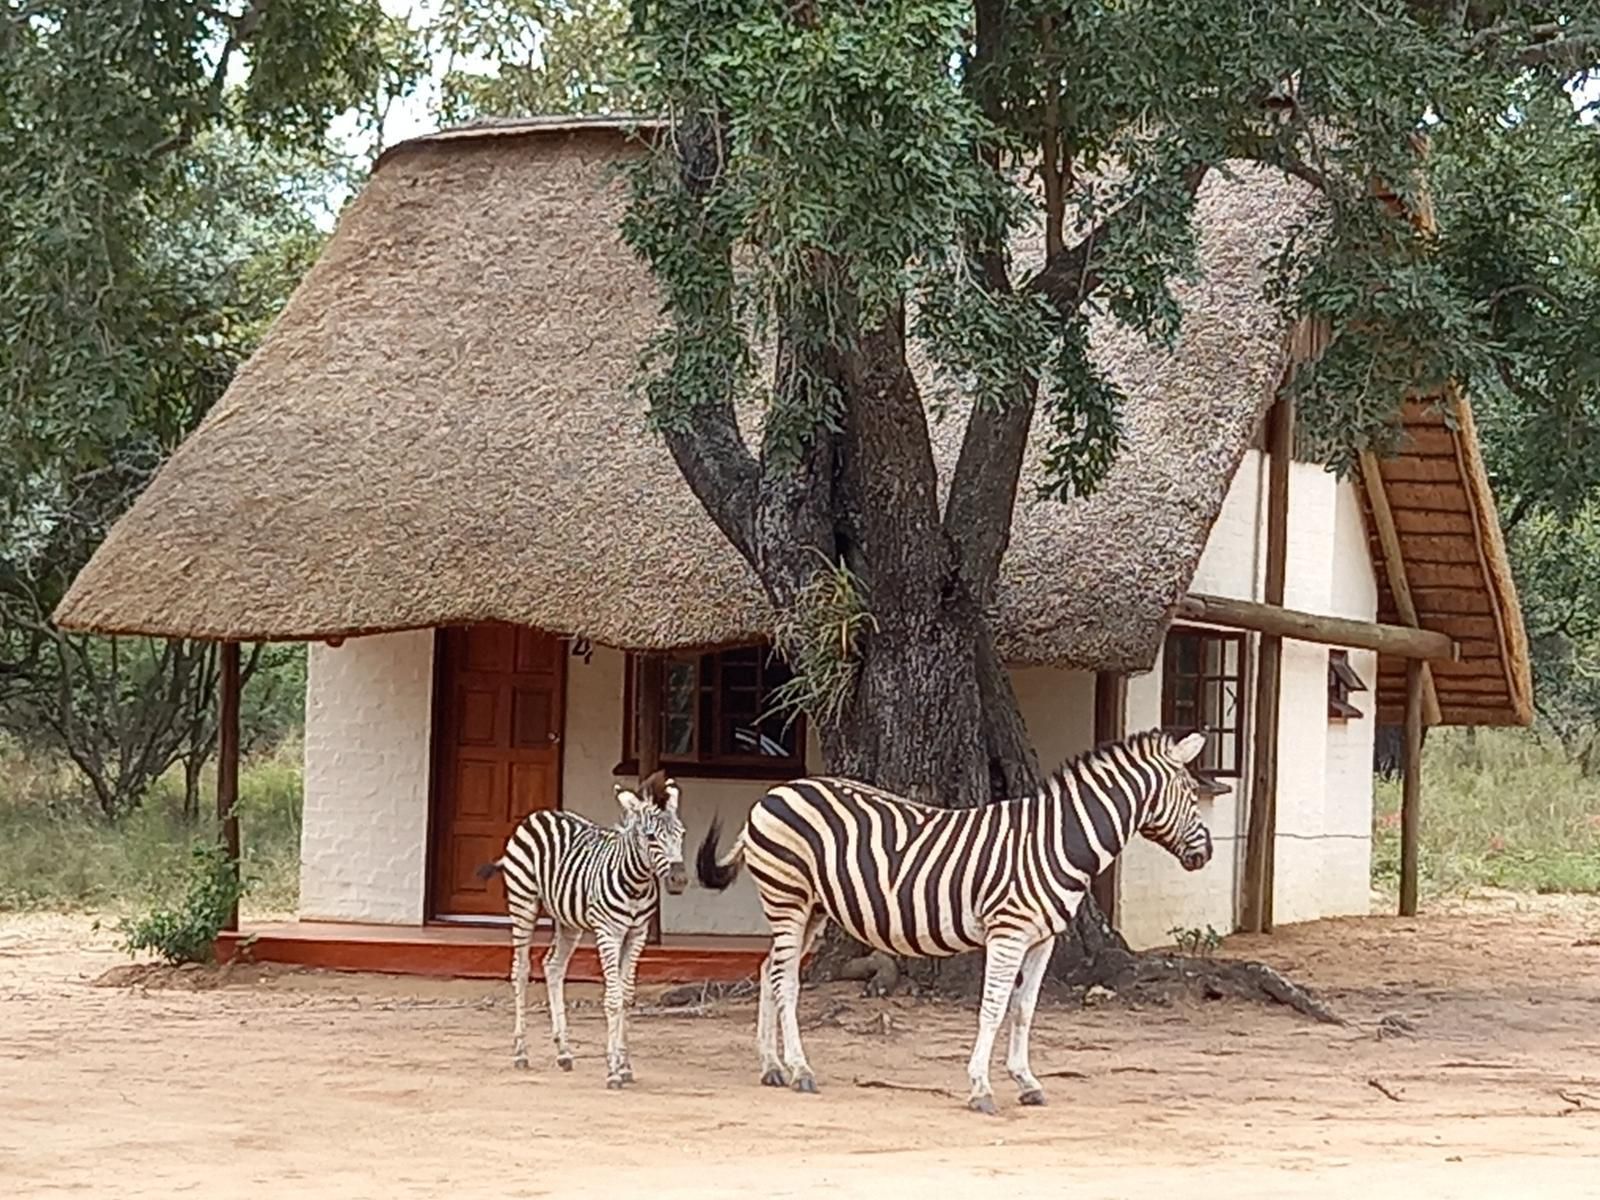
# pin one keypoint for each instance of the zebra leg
(555, 984)
(609, 943)
(524, 914)
(519, 989)
(772, 1074)
(1023, 1000)
(1002, 959)
(785, 965)
(632, 948)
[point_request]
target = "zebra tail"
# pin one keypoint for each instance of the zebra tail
(717, 872)
(490, 869)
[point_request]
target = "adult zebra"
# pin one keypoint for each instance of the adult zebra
(590, 878)
(927, 882)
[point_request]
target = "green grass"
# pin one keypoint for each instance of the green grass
(1500, 809)
(57, 852)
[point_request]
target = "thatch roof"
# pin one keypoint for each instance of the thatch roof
(440, 428)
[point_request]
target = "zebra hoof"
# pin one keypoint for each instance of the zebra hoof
(774, 1078)
(1032, 1098)
(520, 1062)
(614, 1084)
(983, 1104)
(626, 1075)
(806, 1084)
(564, 1061)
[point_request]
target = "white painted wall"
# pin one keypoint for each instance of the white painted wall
(363, 845)
(1323, 848)
(1346, 887)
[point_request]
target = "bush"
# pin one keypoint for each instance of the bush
(187, 930)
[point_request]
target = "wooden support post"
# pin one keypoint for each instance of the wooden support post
(1411, 790)
(1110, 725)
(1394, 568)
(1262, 834)
(648, 688)
(228, 687)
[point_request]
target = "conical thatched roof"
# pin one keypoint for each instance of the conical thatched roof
(440, 428)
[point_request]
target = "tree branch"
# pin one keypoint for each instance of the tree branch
(720, 471)
(983, 490)
(1068, 278)
(707, 446)
(241, 29)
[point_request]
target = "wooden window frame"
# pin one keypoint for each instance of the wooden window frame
(1239, 725)
(1343, 679)
(704, 762)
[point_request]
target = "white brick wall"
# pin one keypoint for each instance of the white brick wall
(363, 847)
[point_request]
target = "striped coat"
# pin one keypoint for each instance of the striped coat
(925, 882)
(587, 877)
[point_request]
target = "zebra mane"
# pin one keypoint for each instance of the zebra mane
(1141, 745)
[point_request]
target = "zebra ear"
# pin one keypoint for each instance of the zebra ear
(1186, 750)
(628, 799)
(668, 796)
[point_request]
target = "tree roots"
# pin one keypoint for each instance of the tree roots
(1114, 976)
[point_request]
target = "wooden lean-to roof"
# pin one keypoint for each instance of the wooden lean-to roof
(1455, 577)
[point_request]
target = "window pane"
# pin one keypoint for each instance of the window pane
(682, 682)
(1229, 717)
(1213, 656)
(778, 737)
(1211, 712)
(1188, 655)
(1231, 657)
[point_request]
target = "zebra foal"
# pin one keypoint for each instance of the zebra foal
(587, 877)
(924, 882)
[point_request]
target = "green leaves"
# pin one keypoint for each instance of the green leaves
(846, 157)
(184, 929)
(511, 58)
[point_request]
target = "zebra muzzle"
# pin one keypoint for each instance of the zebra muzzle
(677, 879)
(1195, 857)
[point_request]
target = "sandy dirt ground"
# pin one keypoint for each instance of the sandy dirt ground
(1471, 1068)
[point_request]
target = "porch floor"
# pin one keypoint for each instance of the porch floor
(477, 951)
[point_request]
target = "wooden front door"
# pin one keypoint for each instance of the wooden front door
(497, 753)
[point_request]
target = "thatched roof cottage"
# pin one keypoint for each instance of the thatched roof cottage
(434, 471)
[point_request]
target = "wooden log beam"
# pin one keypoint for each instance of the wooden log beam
(1402, 641)
(648, 690)
(228, 689)
(1262, 827)
(1394, 568)
(1110, 725)
(1411, 790)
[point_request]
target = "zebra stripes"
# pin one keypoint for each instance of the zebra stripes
(590, 878)
(925, 882)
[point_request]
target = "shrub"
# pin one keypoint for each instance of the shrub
(186, 930)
